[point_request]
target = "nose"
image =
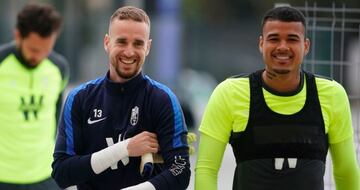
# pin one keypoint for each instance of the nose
(129, 51)
(283, 46)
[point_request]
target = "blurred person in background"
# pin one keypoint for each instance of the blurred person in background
(280, 121)
(109, 123)
(32, 79)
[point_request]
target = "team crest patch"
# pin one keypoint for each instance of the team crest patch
(134, 116)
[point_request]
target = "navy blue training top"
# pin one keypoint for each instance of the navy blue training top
(100, 113)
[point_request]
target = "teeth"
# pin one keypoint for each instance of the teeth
(282, 57)
(127, 61)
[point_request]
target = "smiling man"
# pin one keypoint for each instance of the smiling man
(280, 121)
(109, 123)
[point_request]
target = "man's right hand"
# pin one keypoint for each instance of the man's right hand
(143, 143)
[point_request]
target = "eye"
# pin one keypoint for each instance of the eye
(293, 39)
(139, 44)
(272, 39)
(121, 42)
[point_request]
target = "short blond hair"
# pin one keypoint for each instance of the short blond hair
(130, 13)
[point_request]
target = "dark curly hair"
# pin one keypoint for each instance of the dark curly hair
(42, 19)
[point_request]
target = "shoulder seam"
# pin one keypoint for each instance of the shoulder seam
(242, 75)
(323, 77)
(61, 63)
(6, 50)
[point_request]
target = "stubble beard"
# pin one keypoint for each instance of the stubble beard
(30, 62)
(273, 73)
(281, 71)
(122, 74)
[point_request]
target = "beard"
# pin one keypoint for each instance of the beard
(126, 75)
(28, 61)
(122, 73)
(281, 71)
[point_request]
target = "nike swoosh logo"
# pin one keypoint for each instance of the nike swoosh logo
(94, 121)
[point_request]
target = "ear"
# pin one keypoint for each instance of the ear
(106, 43)
(148, 47)
(17, 36)
(261, 43)
(306, 46)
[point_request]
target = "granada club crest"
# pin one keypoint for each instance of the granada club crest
(134, 116)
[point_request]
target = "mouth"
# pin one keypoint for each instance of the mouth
(33, 62)
(283, 58)
(128, 61)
